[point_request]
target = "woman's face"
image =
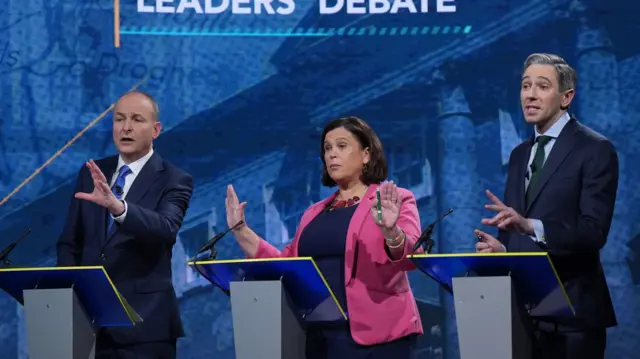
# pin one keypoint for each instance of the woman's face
(344, 156)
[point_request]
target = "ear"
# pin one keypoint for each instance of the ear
(157, 127)
(366, 155)
(567, 97)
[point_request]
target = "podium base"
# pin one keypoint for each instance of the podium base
(491, 324)
(264, 325)
(57, 325)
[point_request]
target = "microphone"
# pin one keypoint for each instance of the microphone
(210, 245)
(212, 242)
(426, 234)
(119, 190)
(5, 252)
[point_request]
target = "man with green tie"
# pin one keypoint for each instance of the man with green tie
(559, 198)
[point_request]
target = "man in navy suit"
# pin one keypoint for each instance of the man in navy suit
(559, 198)
(125, 216)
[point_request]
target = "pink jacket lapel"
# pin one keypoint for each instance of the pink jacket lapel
(360, 215)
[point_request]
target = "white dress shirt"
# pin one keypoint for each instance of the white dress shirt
(135, 168)
(553, 132)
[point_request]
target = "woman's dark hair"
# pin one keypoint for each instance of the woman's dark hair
(376, 170)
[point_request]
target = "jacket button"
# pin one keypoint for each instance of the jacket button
(103, 257)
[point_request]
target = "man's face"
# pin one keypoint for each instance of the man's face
(540, 95)
(134, 126)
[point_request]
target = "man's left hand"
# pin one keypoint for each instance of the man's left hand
(101, 194)
(507, 219)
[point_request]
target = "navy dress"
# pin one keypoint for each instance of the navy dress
(324, 240)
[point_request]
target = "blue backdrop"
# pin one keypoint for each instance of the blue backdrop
(244, 94)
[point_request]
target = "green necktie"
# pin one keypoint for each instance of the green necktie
(536, 166)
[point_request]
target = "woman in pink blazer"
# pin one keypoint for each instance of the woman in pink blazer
(363, 259)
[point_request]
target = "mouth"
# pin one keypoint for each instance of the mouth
(126, 140)
(333, 167)
(530, 109)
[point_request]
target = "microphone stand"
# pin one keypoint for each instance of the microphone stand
(427, 245)
(426, 242)
(4, 255)
(195, 265)
(213, 253)
(425, 237)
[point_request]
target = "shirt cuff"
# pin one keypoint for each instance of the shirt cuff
(538, 229)
(121, 217)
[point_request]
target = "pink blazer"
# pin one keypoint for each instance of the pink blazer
(380, 303)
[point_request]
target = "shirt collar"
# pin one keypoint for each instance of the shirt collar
(554, 131)
(135, 166)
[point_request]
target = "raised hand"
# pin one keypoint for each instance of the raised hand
(507, 219)
(235, 209)
(101, 194)
(390, 202)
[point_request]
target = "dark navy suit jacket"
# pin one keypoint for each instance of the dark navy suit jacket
(137, 255)
(574, 198)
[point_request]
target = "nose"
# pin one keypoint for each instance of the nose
(127, 125)
(531, 93)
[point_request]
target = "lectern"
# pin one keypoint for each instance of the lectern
(494, 293)
(64, 307)
(271, 302)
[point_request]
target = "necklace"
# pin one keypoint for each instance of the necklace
(342, 203)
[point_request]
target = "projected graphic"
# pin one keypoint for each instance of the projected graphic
(244, 90)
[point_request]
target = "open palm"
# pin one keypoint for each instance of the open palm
(235, 209)
(101, 194)
(390, 206)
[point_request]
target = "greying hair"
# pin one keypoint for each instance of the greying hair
(567, 76)
(156, 108)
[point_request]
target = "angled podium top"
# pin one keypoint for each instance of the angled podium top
(92, 285)
(533, 275)
(304, 283)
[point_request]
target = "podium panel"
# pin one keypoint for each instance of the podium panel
(487, 308)
(103, 303)
(64, 306)
(57, 325)
(272, 300)
(258, 310)
(310, 294)
(494, 295)
(533, 276)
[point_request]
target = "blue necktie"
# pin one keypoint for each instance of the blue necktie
(118, 189)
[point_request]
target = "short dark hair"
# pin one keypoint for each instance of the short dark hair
(376, 170)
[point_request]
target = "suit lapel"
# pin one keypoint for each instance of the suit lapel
(561, 148)
(522, 161)
(108, 170)
(144, 180)
(355, 225)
